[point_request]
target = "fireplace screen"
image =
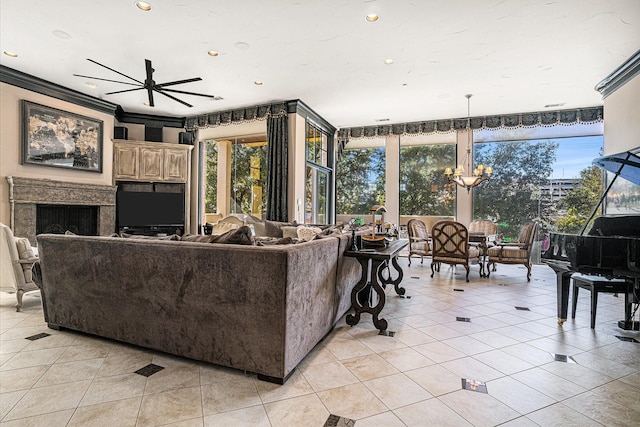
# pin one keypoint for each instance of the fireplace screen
(58, 219)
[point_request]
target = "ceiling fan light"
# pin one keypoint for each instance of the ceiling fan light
(143, 6)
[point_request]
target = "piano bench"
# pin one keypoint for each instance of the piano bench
(596, 285)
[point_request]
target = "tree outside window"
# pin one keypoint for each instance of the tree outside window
(360, 180)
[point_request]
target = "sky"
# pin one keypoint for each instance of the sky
(575, 154)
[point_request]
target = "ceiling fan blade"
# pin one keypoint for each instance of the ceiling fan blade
(177, 82)
(105, 80)
(111, 69)
(123, 91)
(149, 83)
(188, 93)
(174, 98)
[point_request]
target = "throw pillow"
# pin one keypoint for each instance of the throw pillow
(196, 238)
(223, 227)
(308, 233)
(24, 248)
(239, 236)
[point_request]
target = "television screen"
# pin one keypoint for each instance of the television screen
(139, 209)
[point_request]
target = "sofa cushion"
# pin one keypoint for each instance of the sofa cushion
(196, 238)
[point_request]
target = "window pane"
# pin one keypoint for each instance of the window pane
(549, 181)
(360, 181)
(317, 190)
(248, 177)
(424, 189)
(211, 178)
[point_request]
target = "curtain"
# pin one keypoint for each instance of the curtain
(277, 168)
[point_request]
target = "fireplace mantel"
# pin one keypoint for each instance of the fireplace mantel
(26, 193)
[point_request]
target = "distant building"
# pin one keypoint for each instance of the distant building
(558, 188)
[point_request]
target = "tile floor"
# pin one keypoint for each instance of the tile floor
(413, 378)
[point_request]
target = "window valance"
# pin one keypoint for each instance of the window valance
(507, 121)
(247, 114)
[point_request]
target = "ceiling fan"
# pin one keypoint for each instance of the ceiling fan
(149, 84)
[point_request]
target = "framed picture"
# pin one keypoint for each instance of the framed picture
(57, 138)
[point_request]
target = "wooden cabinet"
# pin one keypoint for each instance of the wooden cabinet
(151, 162)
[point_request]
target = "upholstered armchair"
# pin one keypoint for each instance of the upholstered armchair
(514, 252)
(451, 246)
(419, 241)
(16, 262)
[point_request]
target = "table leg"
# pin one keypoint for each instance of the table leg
(361, 303)
(388, 280)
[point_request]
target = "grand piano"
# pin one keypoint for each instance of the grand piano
(610, 248)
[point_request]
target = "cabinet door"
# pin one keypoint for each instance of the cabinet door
(126, 162)
(175, 165)
(150, 164)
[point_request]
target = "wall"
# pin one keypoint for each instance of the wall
(621, 126)
(10, 144)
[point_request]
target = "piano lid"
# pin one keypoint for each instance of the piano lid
(628, 160)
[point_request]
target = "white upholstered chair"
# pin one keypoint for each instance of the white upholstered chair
(16, 262)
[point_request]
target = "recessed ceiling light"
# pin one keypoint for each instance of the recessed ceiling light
(257, 83)
(143, 6)
(62, 35)
(372, 17)
(213, 53)
(10, 54)
(388, 61)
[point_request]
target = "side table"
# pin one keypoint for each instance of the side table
(373, 263)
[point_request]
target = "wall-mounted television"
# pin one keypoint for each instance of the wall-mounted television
(149, 209)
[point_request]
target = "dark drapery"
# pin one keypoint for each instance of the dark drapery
(277, 168)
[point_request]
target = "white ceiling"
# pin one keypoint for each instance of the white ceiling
(512, 55)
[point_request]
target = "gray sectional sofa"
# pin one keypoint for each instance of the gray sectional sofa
(260, 309)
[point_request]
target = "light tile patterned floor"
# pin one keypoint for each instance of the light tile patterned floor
(411, 379)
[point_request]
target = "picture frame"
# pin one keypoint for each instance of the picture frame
(58, 138)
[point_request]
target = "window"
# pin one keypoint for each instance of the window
(424, 189)
(248, 176)
(318, 175)
(549, 180)
(360, 178)
(211, 177)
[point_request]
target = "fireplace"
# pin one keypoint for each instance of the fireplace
(58, 219)
(40, 203)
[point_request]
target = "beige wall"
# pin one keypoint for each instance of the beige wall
(10, 144)
(622, 126)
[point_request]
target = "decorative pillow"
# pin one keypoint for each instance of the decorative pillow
(240, 236)
(290, 231)
(69, 233)
(24, 248)
(308, 233)
(223, 227)
(196, 238)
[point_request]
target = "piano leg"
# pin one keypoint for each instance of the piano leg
(563, 279)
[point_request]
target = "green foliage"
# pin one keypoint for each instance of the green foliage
(360, 180)
(513, 195)
(211, 179)
(423, 185)
(241, 181)
(581, 200)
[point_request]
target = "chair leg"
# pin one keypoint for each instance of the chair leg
(468, 269)
(594, 304)
(19, 297)
(409, 259)
(432, 269)
(528, 265)
(574, 300)
(421, 259)
(489, 268)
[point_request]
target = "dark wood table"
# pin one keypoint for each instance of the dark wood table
(483, 239)
(375, 262)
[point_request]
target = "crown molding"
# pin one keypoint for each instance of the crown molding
(299, 107)
(44, 87)
(620, 76)
(149, 119)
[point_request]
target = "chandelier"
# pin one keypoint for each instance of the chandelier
(478, 175)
